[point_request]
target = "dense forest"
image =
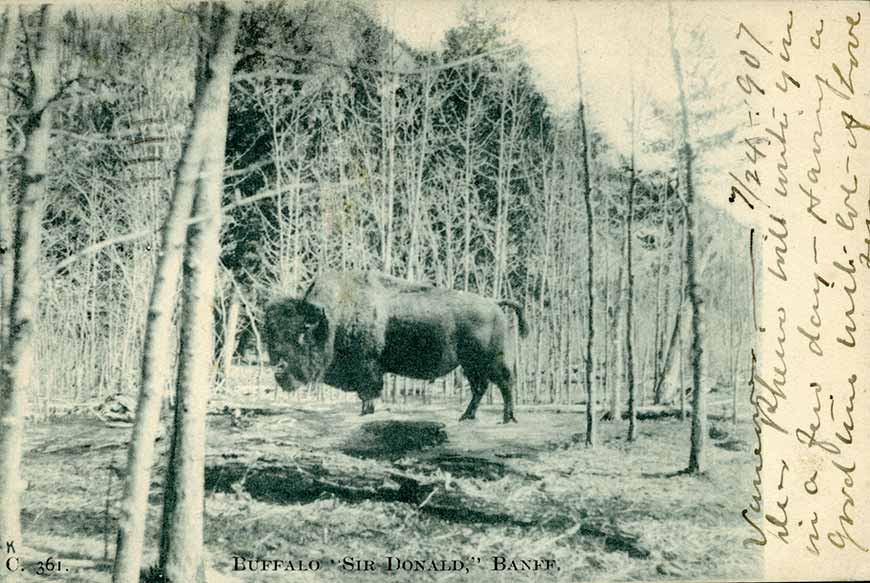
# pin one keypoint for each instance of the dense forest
(364, 153)
(343, 147)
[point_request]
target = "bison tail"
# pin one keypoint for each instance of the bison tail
(521, 317)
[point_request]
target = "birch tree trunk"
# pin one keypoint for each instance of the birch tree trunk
(591, 437)
(629, 314)
(613, 319)
(675, 335)
(629, 283)
(8, 36)
(544, 285)
(732, 349)
(605, 372)
(16, 368)
(697, 457)
(416, 210)
(502, 191)
(230, 330)
(666, 261)
(211, 90)
(466, 191)
(661, 305)
(181, 546)
(388, 163)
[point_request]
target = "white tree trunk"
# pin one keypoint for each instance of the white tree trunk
(591, 392)
(7, 50)
(230, 329)
(631, 385)
(16, 367)
(629, 280)
(697, 457)
(211, 92)
(181, 547)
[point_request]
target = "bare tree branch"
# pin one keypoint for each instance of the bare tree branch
(97, 247)
(378, 69)
(248, 169)
(90, 139)
(15, 88)
(270, 74)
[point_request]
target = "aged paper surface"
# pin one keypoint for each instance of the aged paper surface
(807, 147)
(778, 99)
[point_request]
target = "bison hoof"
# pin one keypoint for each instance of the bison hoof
(510, 419)
(467, 417)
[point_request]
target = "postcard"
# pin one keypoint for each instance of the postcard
(384, 290)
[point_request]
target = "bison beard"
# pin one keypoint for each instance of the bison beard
(352, 327)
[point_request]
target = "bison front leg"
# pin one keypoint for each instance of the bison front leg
(373, 389)
(478, 390)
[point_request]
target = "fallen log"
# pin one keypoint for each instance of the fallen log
(612, 535)
(653, 412)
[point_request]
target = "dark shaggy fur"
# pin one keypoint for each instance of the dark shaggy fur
(352, 327)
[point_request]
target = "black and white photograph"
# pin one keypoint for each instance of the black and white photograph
(384, 290)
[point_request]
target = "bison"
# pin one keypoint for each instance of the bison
(352, 327)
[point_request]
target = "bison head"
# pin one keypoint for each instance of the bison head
(297, 337)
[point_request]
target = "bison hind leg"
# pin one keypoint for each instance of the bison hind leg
(505, 383)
